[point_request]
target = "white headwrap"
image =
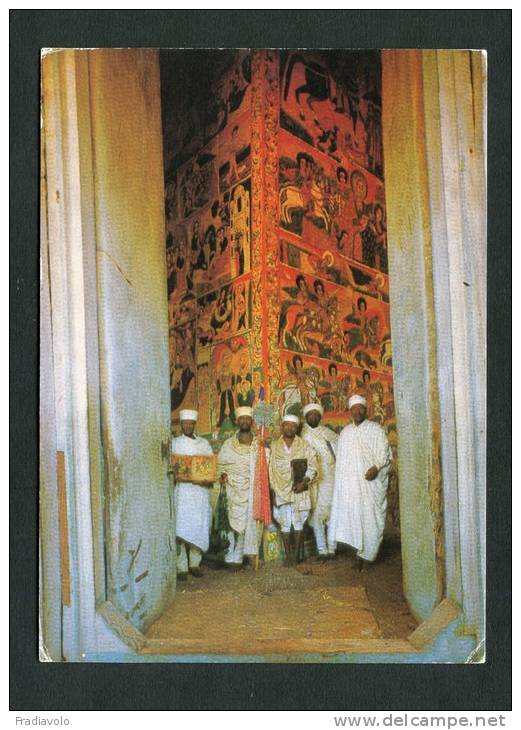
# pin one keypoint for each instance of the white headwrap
(313, 407)
(357, 399)
(188, 415)
(291, 418)
(244, 411)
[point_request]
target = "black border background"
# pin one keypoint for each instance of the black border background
(36, 686)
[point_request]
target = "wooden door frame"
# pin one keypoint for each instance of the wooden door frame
(70, 216)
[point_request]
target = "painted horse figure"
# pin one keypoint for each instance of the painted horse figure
(292, 202)
(317, 84)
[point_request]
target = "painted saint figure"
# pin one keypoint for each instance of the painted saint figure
(324, 441)
(192, 502)
(360, 491)
(224, 385)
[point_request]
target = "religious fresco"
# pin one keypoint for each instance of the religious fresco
(324, 291)
(182, 366)
(276, 242)
(223, 312)
(234, 153)
(306, 379)
(231, 382)
(182, 351)
(204, 386)
(332, 101)
(337, 207)
(333, 289)
(334, 323)
(327, 320)
(231, 95)
(208, 166)
(197, 182)
(213, 246)
(329, 265)
(211, 104)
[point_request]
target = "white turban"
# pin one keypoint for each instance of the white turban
(357, 399)
(313, 407)
(188, 415)
(291, 418)
(244, 411)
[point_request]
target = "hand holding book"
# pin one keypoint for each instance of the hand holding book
(299, 468)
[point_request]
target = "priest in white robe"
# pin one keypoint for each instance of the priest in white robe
(192, 502)
(292, 498)
(324, 441)
(360, 491)
(237, 467)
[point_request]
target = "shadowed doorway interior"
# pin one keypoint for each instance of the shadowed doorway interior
(278, 293)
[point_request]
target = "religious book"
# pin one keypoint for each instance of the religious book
(299, 468)
(194, 468)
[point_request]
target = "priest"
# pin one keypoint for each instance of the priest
(292, 468)
(237, 466)
(360, 490)
(324, 441)
(192, 502)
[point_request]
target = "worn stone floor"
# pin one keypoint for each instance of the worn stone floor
(312, 605)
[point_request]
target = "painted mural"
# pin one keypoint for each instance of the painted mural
(234, 152)
(329, 272)
(231, 382)
(213, 246)
(329, 265)
(333, 317)
(208, 230)
(335, 206)
(332, 101)
(307, 379)
(327, 320)
(197, 182)
(223, 312)
(276, 241)
(182, 350)
(195, 112)
(334, 324)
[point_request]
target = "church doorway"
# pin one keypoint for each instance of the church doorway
(318, 253)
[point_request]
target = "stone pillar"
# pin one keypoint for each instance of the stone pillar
(108, 311)
(454, 91)
(434, 166)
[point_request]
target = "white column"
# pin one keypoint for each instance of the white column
(434, 154)
(412, 327)
(66, 267)
(455, 113)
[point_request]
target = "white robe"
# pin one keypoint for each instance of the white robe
(322, 487)
(239, 461)
(359, 506)
(192, 501)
